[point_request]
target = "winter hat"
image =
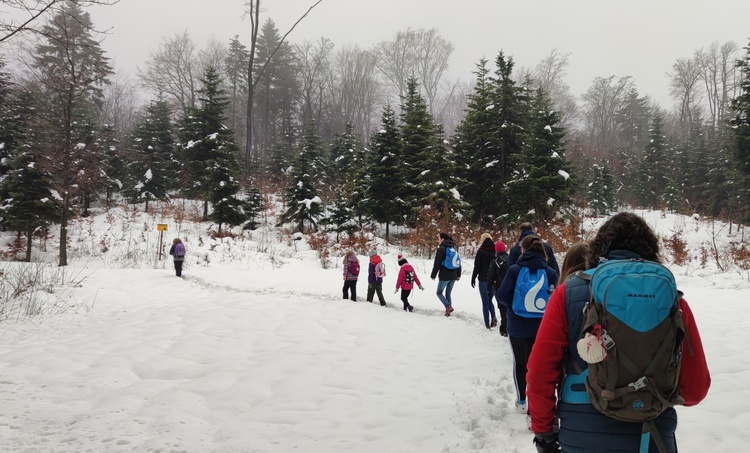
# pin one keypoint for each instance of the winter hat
(372, 253)
(500, 246)
(401, 260)
(444, 236)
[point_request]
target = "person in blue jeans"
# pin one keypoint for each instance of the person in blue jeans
(482, 261)
(446, 277)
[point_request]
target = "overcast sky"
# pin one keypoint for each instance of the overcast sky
(640, 38)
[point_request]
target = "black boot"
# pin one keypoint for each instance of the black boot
(411, 308)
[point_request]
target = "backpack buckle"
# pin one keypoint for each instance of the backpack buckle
(607, 341)
(640, 383)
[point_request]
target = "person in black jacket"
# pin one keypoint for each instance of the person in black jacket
(482, 260)
(495, 276)
(446, 277)
(515, 251)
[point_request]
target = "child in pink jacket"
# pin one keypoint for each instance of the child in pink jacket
(407, 277)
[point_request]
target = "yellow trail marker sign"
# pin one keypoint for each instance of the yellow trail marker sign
(161, 227)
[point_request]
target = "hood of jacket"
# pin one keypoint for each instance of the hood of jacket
(532, 260)
(488, 244)
(447, 243)
(376, 259)
(525, 233)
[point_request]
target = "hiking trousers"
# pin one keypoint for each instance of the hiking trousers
(372, 288)
(350, 285)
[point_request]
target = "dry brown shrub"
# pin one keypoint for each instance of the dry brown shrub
(320, 242)
(678, 246)
(422, 240)
(357, 241)
(740, 255)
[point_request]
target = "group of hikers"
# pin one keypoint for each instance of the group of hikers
(603, 349)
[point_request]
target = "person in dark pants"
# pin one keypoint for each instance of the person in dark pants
(178, 255)
(495, 276)
(351, 275)
(446, 277)
(515, 251)
(375, 275)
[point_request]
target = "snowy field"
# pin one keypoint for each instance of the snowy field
(255, 351)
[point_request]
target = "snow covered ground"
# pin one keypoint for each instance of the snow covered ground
(255, 351)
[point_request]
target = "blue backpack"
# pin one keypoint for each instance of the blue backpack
(634, 310)
(531, 294)
(452, 259)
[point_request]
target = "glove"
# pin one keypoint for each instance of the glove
(421, 288)
(394, 292)
(546, 443)
(473, 283)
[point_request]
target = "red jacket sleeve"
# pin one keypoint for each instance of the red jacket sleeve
(400, 278)
(546, 363)
(695, 379)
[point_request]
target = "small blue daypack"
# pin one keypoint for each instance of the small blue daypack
(531, 294)
(452, 259)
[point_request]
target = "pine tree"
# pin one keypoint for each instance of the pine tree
(600, 191)
(348, 168)
(152, 171)
(539, 185)
(385, 175)
(477, 149)
(113, 165)
(427, 163)
(210, 156)
(307, 174)
(31, 203)
(740, 123)
(236, 75)
(72, 67)
(654, 167)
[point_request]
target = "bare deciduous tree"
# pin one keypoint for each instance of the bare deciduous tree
(603, 100)
(432, 53)
(354, 90)
(683, 87)
(120, 106)
(25, 14)
(717, 72)
(314, 63)
(549, 76)
(395, 60)
(173, 70)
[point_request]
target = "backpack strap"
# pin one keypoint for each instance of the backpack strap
(648, 432)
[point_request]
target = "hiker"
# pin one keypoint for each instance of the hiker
(625, 236)
(351, 275)
(405, 281)
(375, 276)
(482, 260)
(447, 267)
(178, 255)
(521, 284)
(495, 276)
(515, 251)
(574, 261)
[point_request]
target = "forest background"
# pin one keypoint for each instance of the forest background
(353, 137)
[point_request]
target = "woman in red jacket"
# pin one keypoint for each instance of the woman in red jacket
(582, 427)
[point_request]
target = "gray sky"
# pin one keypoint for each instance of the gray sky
(640, 38)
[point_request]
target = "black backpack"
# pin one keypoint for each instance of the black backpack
(500, 265)
(409, 277)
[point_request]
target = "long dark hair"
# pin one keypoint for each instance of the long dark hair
(624, 231)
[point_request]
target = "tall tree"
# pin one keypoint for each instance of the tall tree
(741, 126)
(236, 76)
(209, 153)
(151, 168)
(32, 12)
(72, 67)
(385, 175)
(308, 170)
(540, 183)
(173, 70)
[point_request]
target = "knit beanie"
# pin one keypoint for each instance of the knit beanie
(401, 260)
(372, 253)
(500, 246)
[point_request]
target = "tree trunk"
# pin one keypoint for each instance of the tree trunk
(29, 233)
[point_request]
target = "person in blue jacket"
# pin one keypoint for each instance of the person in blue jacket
(521, 330)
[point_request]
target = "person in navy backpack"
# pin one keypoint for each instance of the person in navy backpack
(524, 310)
(351, 274)
(495, 276)
(447, 267)
(178, 255)
(625, 236)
